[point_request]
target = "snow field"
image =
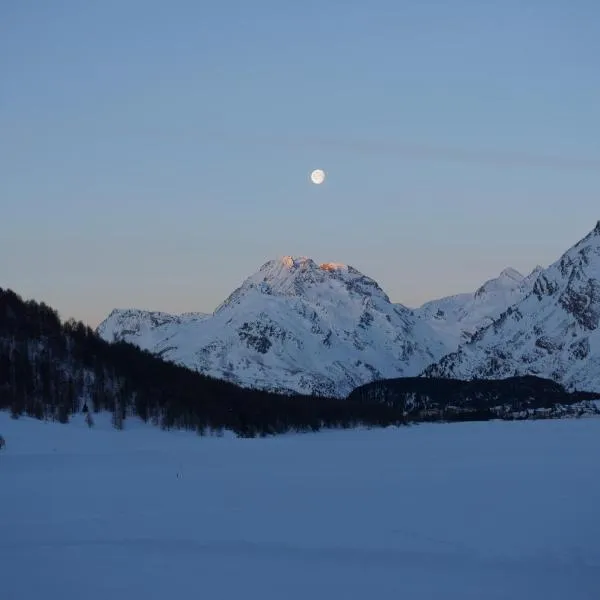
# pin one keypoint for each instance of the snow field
(472, 510)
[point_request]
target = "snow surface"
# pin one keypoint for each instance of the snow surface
(293, 326)
(472, 511)
(554, 331)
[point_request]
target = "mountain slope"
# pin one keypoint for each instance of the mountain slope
(149, 327)
(295, 326)
(553, 332)
(456, 318)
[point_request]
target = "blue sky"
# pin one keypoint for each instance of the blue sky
(154, 154)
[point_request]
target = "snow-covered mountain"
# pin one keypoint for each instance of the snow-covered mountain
(456, 318)
(292, 326)
(554, 331)
(143, 327)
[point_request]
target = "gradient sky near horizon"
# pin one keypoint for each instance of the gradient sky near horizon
(154, 154)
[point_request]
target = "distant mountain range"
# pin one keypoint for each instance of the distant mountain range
(296, 326)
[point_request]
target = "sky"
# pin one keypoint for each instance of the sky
(155, 154)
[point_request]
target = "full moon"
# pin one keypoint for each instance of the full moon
(317, 176)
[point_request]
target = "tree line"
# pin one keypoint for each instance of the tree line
(444, 399)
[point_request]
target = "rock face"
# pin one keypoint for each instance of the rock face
(292, 326)
(554, 331)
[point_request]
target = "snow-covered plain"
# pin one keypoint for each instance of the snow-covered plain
(478, 511)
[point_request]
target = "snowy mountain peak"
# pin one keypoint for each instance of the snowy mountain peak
(594, 233)
(303, 262)
(575, 279)
(303, 278)
(511, 274)
(296, 326)
(536, 271)
(295, 262)
(508, 280)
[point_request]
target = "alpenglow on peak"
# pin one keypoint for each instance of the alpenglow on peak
(296, 262)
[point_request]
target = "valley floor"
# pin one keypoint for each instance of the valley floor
(482, 511)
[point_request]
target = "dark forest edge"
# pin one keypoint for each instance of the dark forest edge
(423, 399)
(52, 370)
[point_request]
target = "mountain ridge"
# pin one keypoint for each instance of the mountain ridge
(553, 331)
(302, 327)
(456, 318)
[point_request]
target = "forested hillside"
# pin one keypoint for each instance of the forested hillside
(443, 399)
